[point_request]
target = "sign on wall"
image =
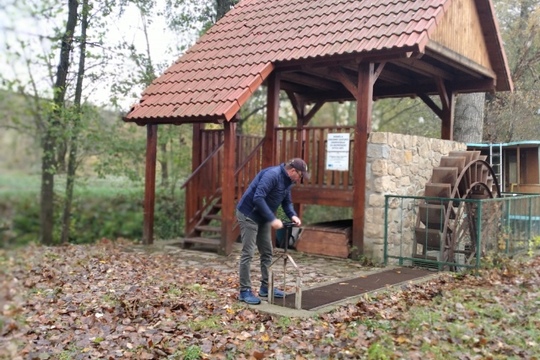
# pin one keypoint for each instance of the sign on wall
(337, 152)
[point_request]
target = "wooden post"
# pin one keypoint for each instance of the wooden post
(447, 123)
(150, 183)
(272, 121)
(228, 184)
(364, 105)
(196, 152)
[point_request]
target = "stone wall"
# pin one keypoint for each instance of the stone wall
(397, 165)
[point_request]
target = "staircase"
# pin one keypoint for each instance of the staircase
(204, 219)
(207, 232)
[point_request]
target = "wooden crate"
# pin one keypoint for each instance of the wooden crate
(328, 238)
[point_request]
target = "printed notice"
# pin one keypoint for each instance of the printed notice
(337, 152)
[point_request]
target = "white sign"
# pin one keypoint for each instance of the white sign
(337, 152)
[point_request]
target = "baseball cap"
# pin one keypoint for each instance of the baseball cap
(301, 166)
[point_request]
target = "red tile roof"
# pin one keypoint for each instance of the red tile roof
(222, 70)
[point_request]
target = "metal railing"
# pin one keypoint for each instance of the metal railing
(473, 231)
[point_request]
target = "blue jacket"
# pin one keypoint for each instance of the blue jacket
(270, 188)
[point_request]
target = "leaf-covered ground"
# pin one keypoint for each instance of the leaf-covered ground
(102, 302)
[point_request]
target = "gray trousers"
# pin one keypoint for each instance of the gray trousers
(253, 234)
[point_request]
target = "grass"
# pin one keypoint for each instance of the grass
(23, 184)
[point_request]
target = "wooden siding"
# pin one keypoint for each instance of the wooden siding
(529, 167)
(460, 30)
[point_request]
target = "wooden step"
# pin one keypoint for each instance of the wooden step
(453, 161)
(208, 228)
(213, 217)
(437, 190)
(447, 175)
(431, 215)
(469, 155)
(201, 241)
(429, 238)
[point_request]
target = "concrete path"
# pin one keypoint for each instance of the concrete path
(316, 270)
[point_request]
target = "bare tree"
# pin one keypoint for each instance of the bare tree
(76, 128)
(53, 127)
(516, 116)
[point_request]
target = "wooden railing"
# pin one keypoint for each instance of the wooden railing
(203, 187)
(310, 144)
(248, 169)
(326, 187)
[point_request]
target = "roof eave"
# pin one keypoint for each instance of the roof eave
(495, 44)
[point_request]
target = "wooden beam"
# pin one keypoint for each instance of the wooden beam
(294, 87)
(405, 90)
(472, 86)
(196, 153)
(320, 196)
(361, 132)
(431, 104)
(378, 71)
(311, 80)
(228, 189)
(393, 76)
(150, 184)
(446, 111)
(272, 120)
(423, 68)
(299, 106)
(346, 81)
(458, 61)
(447, 124)
(307, 118)
(378, 56)
(296, 102)
(443, 94)
(315, 97)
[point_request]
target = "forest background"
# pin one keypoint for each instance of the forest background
(72, 171)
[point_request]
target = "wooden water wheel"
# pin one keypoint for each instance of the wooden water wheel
(446, 230)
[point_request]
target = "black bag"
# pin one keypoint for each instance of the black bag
(293, 237)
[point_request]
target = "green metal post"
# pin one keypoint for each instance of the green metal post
(479, 234)
(386, 230)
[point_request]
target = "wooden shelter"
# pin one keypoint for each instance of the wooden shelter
(316, 51)
(517, 164)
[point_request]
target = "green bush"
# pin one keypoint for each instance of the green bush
(99, 212)
(169, 215)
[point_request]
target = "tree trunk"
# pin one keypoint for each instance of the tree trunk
(223, 6)
(53, 129)
(469, 118)
(164, 164)
(73, 149)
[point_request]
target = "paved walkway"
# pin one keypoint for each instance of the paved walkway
(316, 270)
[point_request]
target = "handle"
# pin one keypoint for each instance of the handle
(288, 224)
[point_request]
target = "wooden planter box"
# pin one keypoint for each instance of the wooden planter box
(327, 238)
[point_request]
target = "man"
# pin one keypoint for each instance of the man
(256, 216)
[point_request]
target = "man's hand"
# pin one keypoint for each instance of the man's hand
(276, 224)
(296, 220)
